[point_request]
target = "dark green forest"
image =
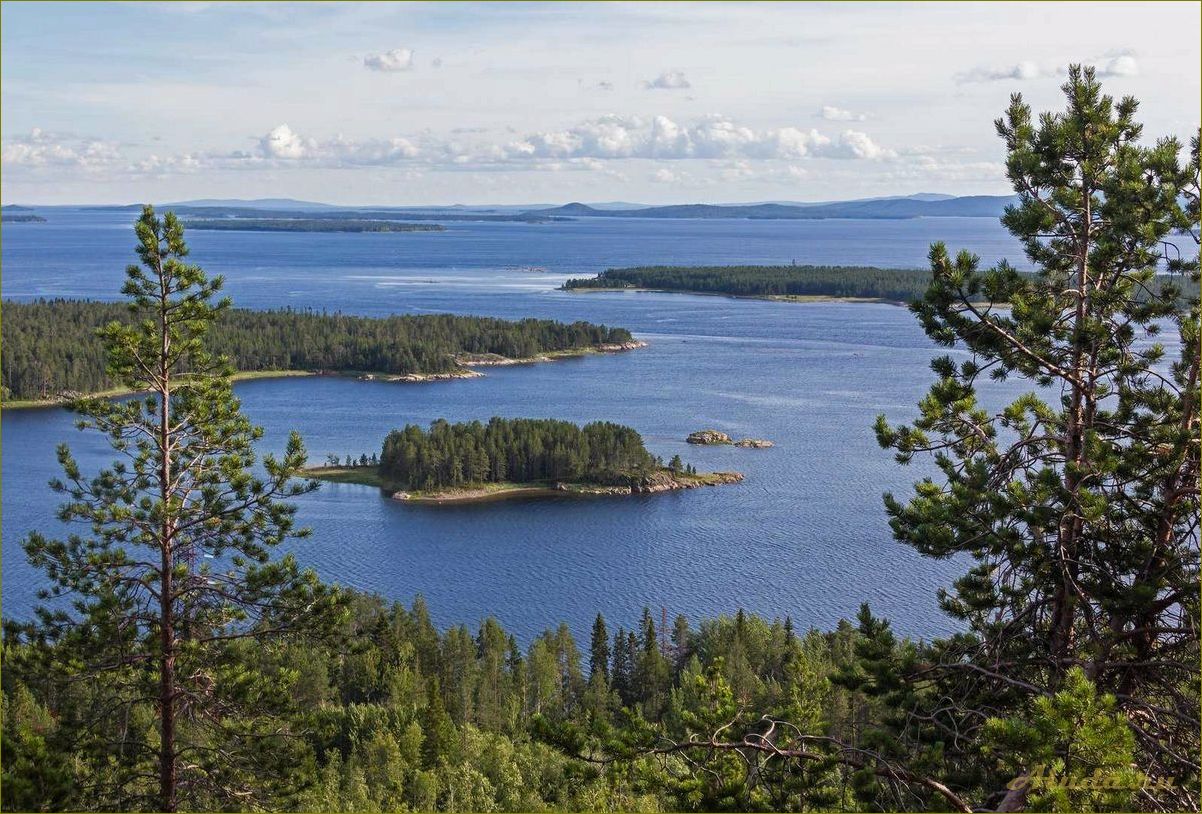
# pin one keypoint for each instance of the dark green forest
(394, 714)
(761, 281)
(520, 450)
(893, 285)
(50, 346)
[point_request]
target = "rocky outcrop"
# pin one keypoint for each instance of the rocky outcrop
(662, 480)
(753, 443)
(617, 347)
(495, 360)
(708, 437)
(434, 377)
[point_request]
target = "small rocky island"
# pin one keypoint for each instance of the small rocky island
(717, 438)
(477, 462)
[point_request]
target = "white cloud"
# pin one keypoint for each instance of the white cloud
(398, 59)
(668, 80)
(1120, 64)
(39, 148)
(837, 114)
(666, 176)
(711, 137)
(1111, 64)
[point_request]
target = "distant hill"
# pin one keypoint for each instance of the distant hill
(924, 206)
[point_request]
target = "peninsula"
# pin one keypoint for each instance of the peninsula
(50, 352)
(505, 458)
(800, 283)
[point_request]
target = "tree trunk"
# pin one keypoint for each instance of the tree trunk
(167, 765)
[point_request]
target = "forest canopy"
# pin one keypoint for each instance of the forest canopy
(521, 450)
(50, 346)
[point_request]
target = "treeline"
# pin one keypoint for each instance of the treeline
(518, 450)
(761, 281)
(50, 346)
(894, 285)
(309, 225)
(398, 716)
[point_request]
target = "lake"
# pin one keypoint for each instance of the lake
(805, 534)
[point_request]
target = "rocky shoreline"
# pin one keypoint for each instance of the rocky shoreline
(468, 362)
(663, 480)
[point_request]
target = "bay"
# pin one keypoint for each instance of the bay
(805, 534)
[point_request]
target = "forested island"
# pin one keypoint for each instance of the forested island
(517, 457)
(849, 282)
(802, 283)
(50, 346)
(309, 224)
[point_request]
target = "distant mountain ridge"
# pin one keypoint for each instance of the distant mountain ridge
(926, 206)
(920, 205)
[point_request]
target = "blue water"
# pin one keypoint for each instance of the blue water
(803, 535)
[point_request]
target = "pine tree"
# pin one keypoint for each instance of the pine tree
(1079, 500)
(599, 650)
(150, 617)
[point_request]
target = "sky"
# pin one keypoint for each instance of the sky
(515, 103)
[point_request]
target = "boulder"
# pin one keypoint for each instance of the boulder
(753, 443)
(708, 437)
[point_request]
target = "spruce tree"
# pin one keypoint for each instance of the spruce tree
(1078, 500)
(599, 650)
(161, 606)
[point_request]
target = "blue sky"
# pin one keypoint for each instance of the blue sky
(413, 103)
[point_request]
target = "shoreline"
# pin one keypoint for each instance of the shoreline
(661, 481)
(465, 371)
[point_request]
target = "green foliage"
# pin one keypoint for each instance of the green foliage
(406, 716)
(1074, 750)
(50, 346)
(521, 450)
(1078, 501)
(150, 644)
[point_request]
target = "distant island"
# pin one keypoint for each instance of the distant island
(309, 225)
(796, 283)
(521, 457)
(768, 282)
(5, 218)
(49, 348)
(325, 213)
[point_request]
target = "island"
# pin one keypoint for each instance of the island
(308, 225)
(792, 282)
(6, 218)
(49, 350)
(717, 438)
(519, 457)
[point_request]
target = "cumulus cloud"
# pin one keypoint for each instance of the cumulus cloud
(837, 114)
(39, 148)
(588, 145)
(398, 59)
(1119, 64)
(711, 137)
(1110, 64)
(668, 80)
